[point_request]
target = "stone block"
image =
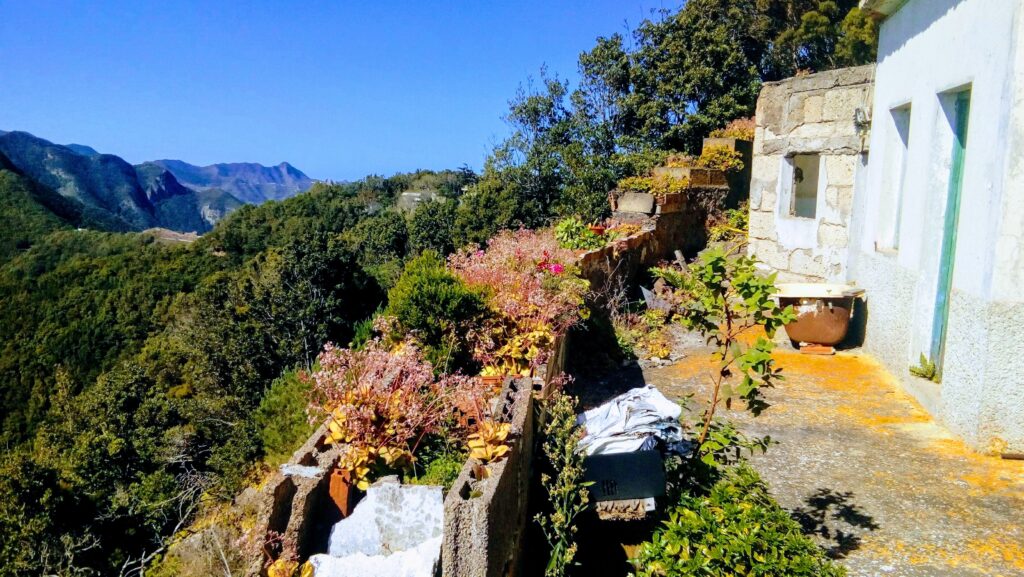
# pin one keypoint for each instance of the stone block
(840, 105)
(813, 108)
(769, 109)
(840, 169)
(638, 202)
(395, 530)
(794, 112)
(845, 205)
(769, 253)
(833, 235)
(762, 225)
(803, 262)
(769, 197)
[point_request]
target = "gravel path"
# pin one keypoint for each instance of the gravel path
(886, 490)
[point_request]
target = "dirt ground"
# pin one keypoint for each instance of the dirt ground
(885, 489)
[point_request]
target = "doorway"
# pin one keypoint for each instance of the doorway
(957, 108)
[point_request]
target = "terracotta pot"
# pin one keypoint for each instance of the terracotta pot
(597, 229)
(466, 411)
(342, 491)
(493, 381)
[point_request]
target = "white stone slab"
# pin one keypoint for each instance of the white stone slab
(396, 531)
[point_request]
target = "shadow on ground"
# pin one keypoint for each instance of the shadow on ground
(835, 520)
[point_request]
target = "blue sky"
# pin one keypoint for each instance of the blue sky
(339, 89)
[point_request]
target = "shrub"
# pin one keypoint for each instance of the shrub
(281, 417)
(567, 492)
(737, 529)
(720, 158)
(432, 226)
(657, 185)
(573, 234)
(436, 308)
(381, 242)
(741, 128)
(722, 297)
(533, 290)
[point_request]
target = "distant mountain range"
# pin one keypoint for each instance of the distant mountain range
(113, 194)
(249, 182)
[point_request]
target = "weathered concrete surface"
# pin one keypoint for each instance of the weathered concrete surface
(861, 465)
(485, 519)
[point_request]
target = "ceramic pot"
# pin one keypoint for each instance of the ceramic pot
(342, 491)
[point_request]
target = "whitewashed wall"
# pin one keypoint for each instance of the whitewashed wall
(928, 48)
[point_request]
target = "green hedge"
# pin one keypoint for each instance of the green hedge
(736, 529)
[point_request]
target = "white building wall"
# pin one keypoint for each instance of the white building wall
(928, 48)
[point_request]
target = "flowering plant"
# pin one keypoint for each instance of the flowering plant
(380, 403)
(532, 285)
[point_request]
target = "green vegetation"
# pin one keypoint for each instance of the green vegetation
(566, 491)
(722, 297)
(720, 158)
(572, 234)
(434, 307)
(925, 369)
(735, 529)
(733, 226)
(438, 467)
(432, 227)
(281, 417)
(138, 377)
(680, 76)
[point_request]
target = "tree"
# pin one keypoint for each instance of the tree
(381, 242)
(432, 227)
(433, 306)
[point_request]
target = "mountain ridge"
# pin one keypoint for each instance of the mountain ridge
(120, 196)
(249, 182)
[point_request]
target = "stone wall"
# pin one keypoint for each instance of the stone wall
(811, 114)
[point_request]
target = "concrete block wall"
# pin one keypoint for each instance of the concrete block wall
(811, 114)
(485, 519)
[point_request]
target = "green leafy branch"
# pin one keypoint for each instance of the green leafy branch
(567, 492)
(722, 297)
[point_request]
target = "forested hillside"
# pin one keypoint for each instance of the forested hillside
(138, 376)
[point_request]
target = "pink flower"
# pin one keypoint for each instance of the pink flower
(556, 268)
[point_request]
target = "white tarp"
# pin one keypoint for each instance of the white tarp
(630, 422)
(394, 531)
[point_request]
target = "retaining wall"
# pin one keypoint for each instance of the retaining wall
(486, 519)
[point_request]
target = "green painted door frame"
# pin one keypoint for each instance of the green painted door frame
(949, 230)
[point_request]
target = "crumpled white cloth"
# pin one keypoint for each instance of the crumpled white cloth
(632, 421)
